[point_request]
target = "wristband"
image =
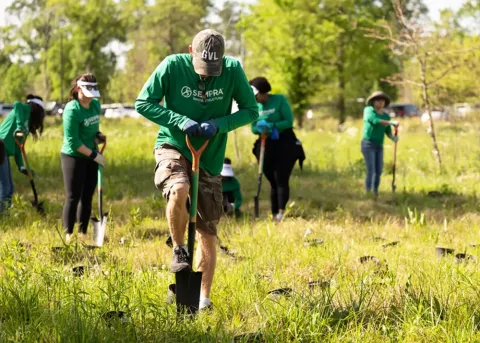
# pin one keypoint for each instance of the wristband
(93, 155)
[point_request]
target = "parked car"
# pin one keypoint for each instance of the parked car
(121, 111)
(463, 109)
(5, 109)
(403, 110)
(437, 114)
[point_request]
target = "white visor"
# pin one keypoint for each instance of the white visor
(89, 89)
(37, 101)
(255, 91)
(227, 170)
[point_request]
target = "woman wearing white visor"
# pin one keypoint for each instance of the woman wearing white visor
(80, 157)
(26, 118)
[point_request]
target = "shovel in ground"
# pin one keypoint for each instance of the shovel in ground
(263, 139)
(395, 133)
(20, 140)
(100, 223)
(187, 282)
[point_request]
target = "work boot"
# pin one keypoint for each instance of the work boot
(179, 259)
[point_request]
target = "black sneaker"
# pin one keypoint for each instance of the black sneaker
(179, 260)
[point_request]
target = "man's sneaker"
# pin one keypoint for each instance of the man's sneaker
(68, 238)
(179, 259)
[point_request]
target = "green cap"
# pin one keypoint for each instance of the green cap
(208, 48)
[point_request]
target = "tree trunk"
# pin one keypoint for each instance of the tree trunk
(341, 82)
(426, 99)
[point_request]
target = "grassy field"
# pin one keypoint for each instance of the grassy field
(407, 295)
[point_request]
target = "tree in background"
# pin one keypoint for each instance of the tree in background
(431, 55)
(164, 27)
(317, 49)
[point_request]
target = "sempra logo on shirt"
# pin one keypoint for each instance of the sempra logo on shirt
(212, 95)
(91, 120)
(266, 112)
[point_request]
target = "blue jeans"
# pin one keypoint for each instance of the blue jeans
(6, 185)
(373, 155)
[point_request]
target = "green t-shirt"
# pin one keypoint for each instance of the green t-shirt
(231, 184)
(276, 111)
(175, 80)
(372, 129)
(17, 120)
(80, 126)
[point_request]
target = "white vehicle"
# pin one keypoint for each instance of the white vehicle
(5, 109)
(120, 111)
(463, 109)
(436, 115)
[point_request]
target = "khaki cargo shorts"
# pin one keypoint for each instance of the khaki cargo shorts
(173, 168)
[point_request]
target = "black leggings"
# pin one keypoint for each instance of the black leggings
(278, 173)
(80, 179)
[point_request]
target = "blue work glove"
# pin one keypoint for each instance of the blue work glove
(394, 138)
(192, 128)
(275, 135)
(263, 126)
(209, 129)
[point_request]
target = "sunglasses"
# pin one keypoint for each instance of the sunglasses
(201, 86)
(90, 88)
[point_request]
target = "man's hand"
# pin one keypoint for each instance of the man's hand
(209, 129)
(394, 138)
(393, 122)
(24, 171)
(100, 138)
(192, 128)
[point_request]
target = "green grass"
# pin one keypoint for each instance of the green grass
(410, 296)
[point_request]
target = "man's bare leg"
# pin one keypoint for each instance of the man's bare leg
(206, 259)
(177, 218)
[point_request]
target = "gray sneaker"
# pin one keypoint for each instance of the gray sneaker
(179, 260)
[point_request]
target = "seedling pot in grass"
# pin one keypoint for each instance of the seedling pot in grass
(322, 284)
(365, 259)
(111, 316)
(464, 258)
(285, 291)
(391, 244)
(78, 270)
(313, 242)
(442, 252)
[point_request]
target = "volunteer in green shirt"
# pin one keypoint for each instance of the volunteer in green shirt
(232, 196)
(282, 148)
(80, 157)
(376, 124)
(197, 91)
(26, 118)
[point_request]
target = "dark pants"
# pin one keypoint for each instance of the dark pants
(373, 155)
(80, 179)
(280, 158)
(6, 185)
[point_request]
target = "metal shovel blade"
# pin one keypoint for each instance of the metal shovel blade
(99, 229)
(187, 291)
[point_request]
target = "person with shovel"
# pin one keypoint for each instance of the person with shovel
(198, 89)
(282, 148)
(376, 124)
(232, 196)
(23, 119)
(79, 155)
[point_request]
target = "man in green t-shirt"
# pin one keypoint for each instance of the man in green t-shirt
(197, 89)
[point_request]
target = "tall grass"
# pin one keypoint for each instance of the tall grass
(408, 294)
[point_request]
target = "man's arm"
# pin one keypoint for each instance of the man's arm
(20, 118)
(247, 106)
(148, 101)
